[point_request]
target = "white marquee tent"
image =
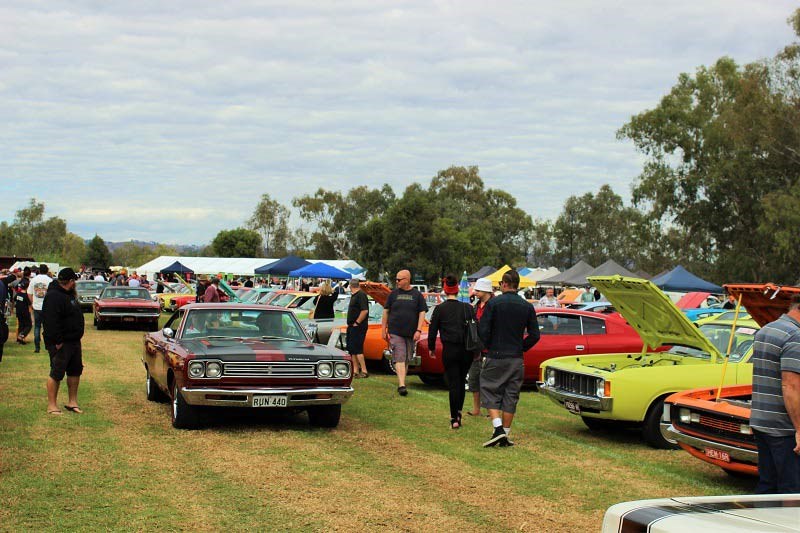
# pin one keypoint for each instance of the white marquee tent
(239, 266)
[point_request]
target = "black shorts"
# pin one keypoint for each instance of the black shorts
(355, 339)
(501, 381)
(67, 360)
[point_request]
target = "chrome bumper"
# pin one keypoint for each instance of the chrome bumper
(134, 315)
(589, 402)
(244, 397)
(669, 432)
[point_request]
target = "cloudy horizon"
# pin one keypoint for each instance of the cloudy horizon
(167, 121)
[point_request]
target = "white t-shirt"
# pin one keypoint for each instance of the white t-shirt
(549, 302)
(99, 277)
(38, 289)
(133, 282)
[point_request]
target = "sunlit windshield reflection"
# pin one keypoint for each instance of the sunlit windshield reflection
(255, 324)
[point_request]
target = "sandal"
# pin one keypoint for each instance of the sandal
(455, 423)
(363, 375)
(74, 409)
(470, 413)
(54, 412)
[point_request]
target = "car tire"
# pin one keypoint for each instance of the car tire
(154, 394)
(431, 379)
(184, 416)
(651, 430)
(324, 416)
(98, 324)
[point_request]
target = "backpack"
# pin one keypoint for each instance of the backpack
(472, 342)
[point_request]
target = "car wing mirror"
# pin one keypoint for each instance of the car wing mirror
(168, 333)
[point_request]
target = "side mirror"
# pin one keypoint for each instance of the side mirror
(168, 333)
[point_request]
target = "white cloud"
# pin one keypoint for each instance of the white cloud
(168, 120)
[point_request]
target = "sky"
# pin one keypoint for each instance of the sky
(166, 121)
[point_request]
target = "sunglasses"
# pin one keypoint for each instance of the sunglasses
(399, 279)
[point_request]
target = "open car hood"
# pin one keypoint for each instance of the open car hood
(378, 291)
(765, 302)
(651, 313)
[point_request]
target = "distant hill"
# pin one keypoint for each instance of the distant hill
(183, 249)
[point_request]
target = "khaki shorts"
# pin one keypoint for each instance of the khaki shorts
(402, 348)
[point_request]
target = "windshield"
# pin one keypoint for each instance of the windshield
(250, 296)
(248, 324)
(720, 335)
(283, 300)
(90, 285)
(127, 293)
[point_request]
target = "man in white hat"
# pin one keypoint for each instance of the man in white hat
(483, 293)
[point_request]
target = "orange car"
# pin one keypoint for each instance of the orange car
(718, 431)
(374, 344)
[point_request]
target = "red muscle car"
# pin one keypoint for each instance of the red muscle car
(718, 431)
(126, 305)
(563, 332)
(239, 355)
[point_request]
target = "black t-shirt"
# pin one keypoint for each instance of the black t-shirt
(358, 303)
(404, 309)
(21, 294)
(324, 306)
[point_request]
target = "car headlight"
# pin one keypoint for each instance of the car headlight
(196, 369)
(324, 370)
(341, 370)
(213, 370)
(551, 377)
(745, 429)
(601, 388)
(685, 415)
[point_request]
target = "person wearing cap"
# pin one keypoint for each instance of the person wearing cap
(483, 293)
(211, 294)
(502, 329)
(63, 331)
(448, 321)
(37, 290)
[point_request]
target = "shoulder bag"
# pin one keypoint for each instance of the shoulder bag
(471, 339)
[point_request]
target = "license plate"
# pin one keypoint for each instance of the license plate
(572, 407)
(718, 455)
(269, 401)
(128, 319)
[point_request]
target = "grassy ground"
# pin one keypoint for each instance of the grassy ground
(393, 463)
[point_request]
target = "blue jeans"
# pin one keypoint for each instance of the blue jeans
(37, 328)
(778, 465)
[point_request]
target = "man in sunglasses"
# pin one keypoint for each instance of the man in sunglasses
(401, 326)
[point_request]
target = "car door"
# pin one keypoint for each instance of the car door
(596, 335)
(163, 346)
(560, 334)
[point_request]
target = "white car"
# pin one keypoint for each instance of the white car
(709, 514)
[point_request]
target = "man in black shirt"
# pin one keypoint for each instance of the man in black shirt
(403, 319)
(501, 328)
(357, 313)
(63, 330)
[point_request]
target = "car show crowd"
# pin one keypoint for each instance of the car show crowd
(481, 333)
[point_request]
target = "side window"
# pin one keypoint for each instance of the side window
(554, 324)
(593, 326)
(175, 320)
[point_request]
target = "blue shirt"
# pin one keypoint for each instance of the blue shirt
(776, 349)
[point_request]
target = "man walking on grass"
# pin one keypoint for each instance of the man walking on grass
(403, 319)
(505, 320)
(63, 330)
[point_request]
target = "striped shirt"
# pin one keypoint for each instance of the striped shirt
(776, 349)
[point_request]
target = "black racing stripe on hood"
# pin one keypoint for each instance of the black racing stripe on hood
(733, 505)
(640, 520)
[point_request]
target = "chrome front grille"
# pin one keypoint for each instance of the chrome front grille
(265, 370)
(576, 383)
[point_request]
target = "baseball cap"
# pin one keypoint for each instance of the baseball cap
(67, 274)
(483, 284)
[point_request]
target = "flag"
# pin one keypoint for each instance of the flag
(463, 289)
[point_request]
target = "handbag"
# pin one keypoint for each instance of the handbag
(471, 339)
(314, 311)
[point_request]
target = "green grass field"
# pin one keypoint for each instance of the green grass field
(393, 463)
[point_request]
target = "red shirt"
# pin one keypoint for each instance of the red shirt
(211, 295)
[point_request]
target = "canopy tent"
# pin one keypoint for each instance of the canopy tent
(576, 275)
(236, 266)
(320, 270)
(643, 274)
(282, 267)
(176, 268)
(538, 274)
(497, 277)
(482, 273)
(610, 268)
(681, 280)
(524, 271)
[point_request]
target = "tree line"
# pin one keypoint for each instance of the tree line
(719, 193)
